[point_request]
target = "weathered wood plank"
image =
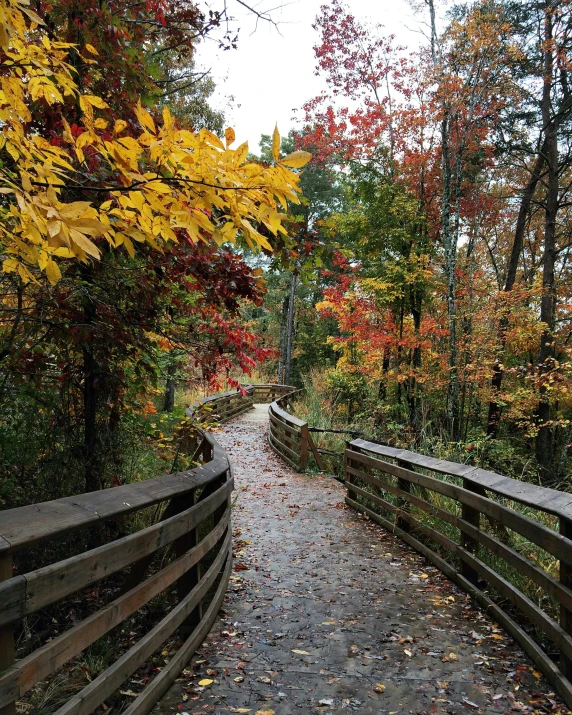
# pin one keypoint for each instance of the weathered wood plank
(283, 426)
(7, 650)
(542, 498)
(159, 685)
(283, 448)
(88, 699)
(45, 660)
(287, 459)
(547, 539)
(29, 525)
(52, 583)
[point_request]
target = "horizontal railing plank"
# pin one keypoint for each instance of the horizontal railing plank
(56, 581)
(29, 525)
(160, 684)
(537, 497)
(544, 537)
(88, 699)
(45, 660)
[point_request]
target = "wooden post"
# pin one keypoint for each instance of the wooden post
(403, 504)
(191, 578)
(349, 477)
(304, 444)
(7, 652)
(472, 516)
(565, 615)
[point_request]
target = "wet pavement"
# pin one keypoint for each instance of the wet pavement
(327, 613)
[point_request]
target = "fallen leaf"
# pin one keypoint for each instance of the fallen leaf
(300, 652)
(205, 682)
(470, 704)
(379, 688)
(408, 652)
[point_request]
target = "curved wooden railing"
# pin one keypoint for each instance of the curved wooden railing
(199, 570)
(484, 531)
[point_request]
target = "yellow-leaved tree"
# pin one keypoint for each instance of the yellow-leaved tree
(152, 182)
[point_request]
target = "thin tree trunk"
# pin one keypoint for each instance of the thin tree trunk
(290, 330)
(544, 438)
(170, 386)
(519, 232)
(449, 244)
(90, 387)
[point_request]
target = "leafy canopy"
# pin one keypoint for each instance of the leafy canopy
(154, 181)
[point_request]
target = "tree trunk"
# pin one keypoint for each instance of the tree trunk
(544, 438)
(290, 330)
(170, 385)
(450, 246)
(92, 476)
(523, 211)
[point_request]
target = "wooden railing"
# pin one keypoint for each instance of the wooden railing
(288, 436)
(505, 542)
(199, 568)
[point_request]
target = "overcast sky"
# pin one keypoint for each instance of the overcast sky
(272, 72)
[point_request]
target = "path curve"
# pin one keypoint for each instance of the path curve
(328, 613)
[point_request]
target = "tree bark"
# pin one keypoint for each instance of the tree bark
(544, 438)
(290, 330)
(92, 476)
(170, 385)
(510, 279)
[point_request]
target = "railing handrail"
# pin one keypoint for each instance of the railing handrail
(532, 495)
(192, 497)
(25, 526)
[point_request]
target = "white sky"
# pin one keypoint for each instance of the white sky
(272, 71)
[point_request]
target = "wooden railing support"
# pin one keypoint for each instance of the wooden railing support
(304, 446)
(349, 477)
(472, 516)
(7, 651)
(566, 613)
(401, 522)
(191, 578)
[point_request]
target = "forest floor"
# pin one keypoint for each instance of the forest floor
(328, 613)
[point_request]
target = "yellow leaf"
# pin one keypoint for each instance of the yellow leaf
(297, 159)
(144, 118)
(53, 272)
(91, 49)
(205, 682)
(276, 143)
(93, 101)
(265, 712)
(10, 265)
(300, 652)
(229, 136)
(84, 243)
(119, 126)
(379, 688)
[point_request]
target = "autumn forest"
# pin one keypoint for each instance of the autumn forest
(403, 254)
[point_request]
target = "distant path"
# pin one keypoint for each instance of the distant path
(323, 606)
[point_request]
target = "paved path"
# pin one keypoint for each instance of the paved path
(328, 613)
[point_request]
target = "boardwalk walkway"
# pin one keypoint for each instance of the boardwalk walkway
(327, 613)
